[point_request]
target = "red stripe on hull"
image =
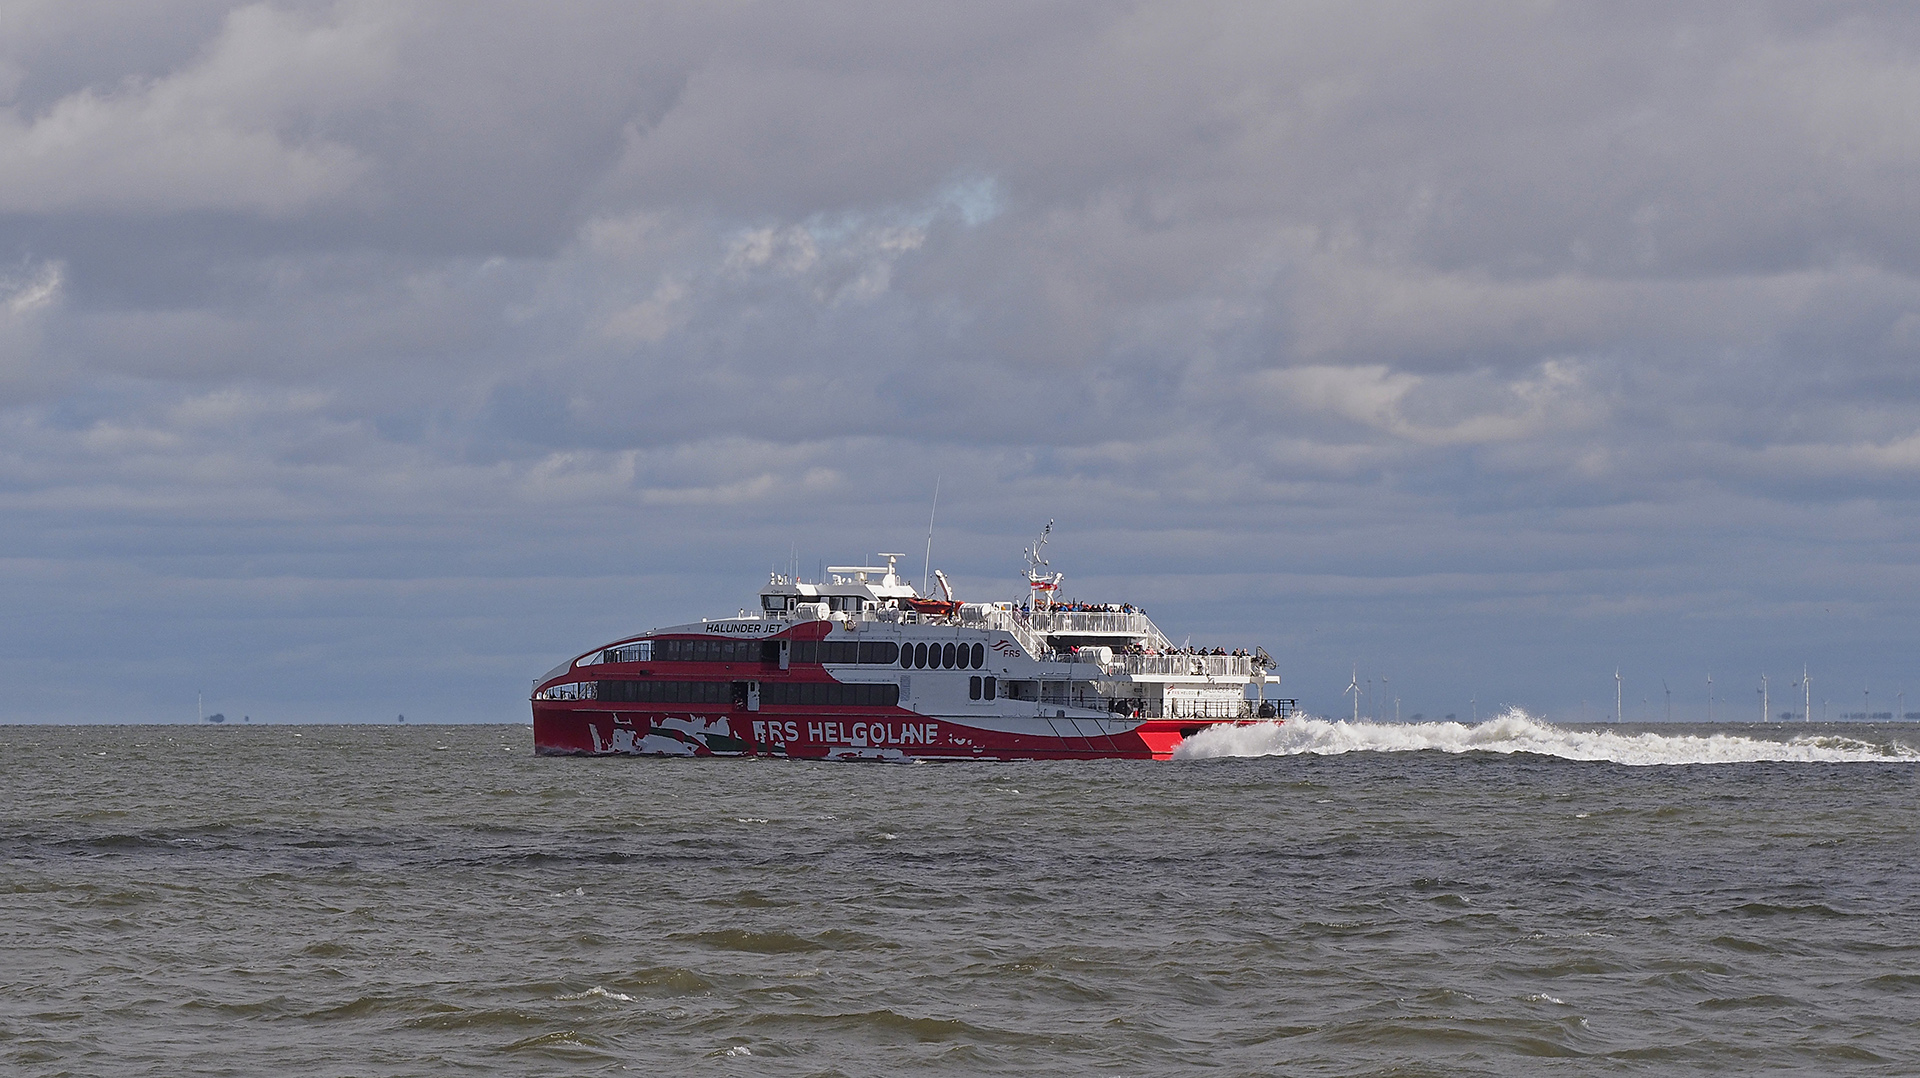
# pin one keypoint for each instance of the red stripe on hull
(564, 728)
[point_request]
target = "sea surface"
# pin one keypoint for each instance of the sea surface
(1322, 898)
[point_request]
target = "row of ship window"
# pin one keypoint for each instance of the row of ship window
(871, 652)
(880, 652)
(853, 603)
(800, 694)
(943, 656)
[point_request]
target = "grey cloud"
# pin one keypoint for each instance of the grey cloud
(1338, 323)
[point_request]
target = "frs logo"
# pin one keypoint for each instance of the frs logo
(1006, 647)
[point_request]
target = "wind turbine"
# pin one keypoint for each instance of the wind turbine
(1766, 705)
(1353, 686)
(1709, 696)
(1619, 712)
(1669, 692)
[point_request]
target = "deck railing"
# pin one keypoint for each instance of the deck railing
(992, 617)
(1221, 666)
(1097, 623)
(1188, 709)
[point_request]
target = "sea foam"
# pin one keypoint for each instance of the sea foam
(1516, 731)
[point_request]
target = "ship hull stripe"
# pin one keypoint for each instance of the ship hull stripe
(571, 729)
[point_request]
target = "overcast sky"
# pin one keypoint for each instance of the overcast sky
(366, 359)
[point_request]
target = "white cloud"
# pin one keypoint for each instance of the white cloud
(242, 128)
(1441, 411)
(23, 294)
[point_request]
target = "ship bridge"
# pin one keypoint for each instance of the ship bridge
(849, 588)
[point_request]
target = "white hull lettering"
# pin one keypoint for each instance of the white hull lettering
(865, 734)
(776, 733)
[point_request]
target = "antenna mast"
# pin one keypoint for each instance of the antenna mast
(927, 569)
(1039, 583)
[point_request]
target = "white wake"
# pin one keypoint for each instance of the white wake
(1516, 731)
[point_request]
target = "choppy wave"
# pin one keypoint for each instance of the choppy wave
(1516, 731)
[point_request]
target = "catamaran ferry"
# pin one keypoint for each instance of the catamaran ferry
(861, 666)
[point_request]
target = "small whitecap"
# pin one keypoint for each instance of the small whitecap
(1542, 997)
(1582, 815)
(749, 819)
(600, 992)
(739, 1050)
(578, 892)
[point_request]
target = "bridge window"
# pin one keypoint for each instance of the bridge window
(979, 656)
(708, 650)
(629, 653)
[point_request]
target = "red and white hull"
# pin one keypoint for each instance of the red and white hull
(568, 729)
(863, 668)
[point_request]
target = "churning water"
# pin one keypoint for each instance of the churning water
(1509, 898)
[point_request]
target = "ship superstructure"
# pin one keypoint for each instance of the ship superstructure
(862, 666)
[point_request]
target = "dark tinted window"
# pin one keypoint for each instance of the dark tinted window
(826, 694)
(973, 687)
(989, 687)
(946, 656)
(666, 692)
(883, 652)
(709, 651)
(979, 656)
